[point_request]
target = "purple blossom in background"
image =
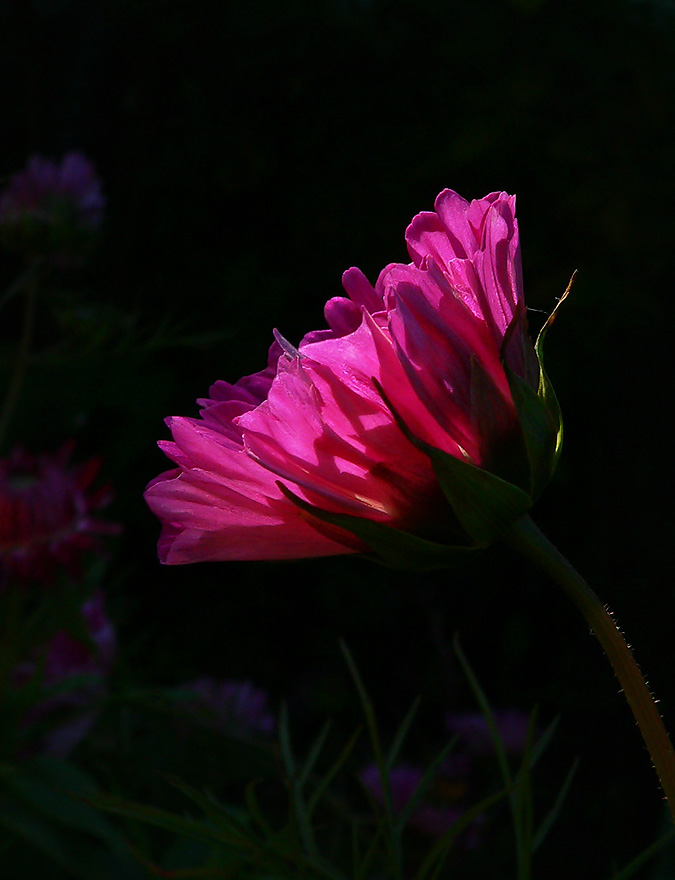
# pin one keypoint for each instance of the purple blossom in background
(47, 516)
(46, 188)
(47, 208)
(234, 706)
(472, 728)
(445, 800)
(65, 657)
(432, 819)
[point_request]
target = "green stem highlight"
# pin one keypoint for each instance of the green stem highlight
(525, 537)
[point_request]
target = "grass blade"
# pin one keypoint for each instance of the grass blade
(552, 815)
(401, 734)
(424, 784)
(645, 856)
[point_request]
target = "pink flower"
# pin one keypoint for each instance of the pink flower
(64, 718)
(50, 208)
(435, 814)
(423, 388)
(235, 706)
(47, 516)
(512, 727)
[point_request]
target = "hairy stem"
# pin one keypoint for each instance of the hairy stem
(525, 537)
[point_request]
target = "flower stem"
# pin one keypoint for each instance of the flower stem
(525, 537)
(22, 354)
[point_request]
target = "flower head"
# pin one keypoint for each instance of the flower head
(472, 728)
(47, 519)
(436, 812)
(235, 706)
(420, 420)
(51, 208)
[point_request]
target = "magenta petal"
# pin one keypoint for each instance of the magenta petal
(272, 541)
(360, 290)
(290, 437)
(427, 237)
(204, 520)
(437, 340)
(326, 428)
(220, 504)
(342, 315)
(454, 212)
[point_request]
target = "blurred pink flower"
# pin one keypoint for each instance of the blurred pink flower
(47, 515)
(472, 727)
(64, 718)
(344, 424)
(50, 207)
(235, 706)
(432, 817)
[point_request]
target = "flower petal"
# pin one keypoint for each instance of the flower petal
(218, 489)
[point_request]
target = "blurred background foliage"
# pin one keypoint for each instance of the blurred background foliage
(251, 151)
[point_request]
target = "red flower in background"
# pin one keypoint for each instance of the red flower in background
(47, 519)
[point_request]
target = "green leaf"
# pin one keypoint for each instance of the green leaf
(486, 711)
(285, 743)
(53, 789)
(332, 772)
(425, 782)
(191, 828)
(75, 853)
(645, 856)
(225, 818)
(387, 828)
(314, 752)
(255, 810)
(369, 712)
(401, 733)
(548, 821)
(362, 870)
(522, 807)
(484, 504)
(34, 830)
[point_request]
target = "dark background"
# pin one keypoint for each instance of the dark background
(252, 151)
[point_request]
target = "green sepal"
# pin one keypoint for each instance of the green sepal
(387, 545)
(541, 425)
(545, 390)
(484, 504)
(538, 411)
(548, 396)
